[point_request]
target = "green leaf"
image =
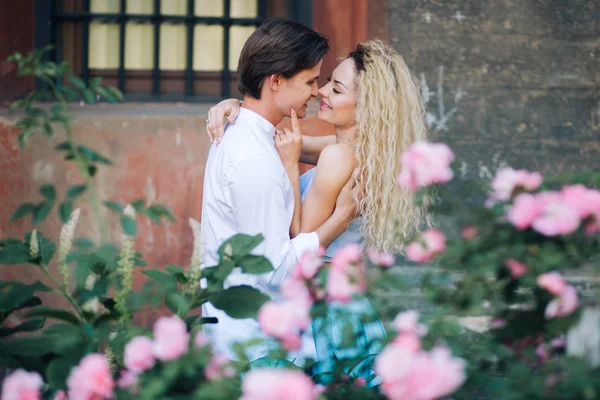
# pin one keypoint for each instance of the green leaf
(138, 205)
(23, 210)
(56, 109)
(224, 269)
(239, 301)
(83, 242)
(47, 248)
(41, 213)
(47, 128)
(94, 82)
(129, 225)
(252, 264)
(14, 253)
(177, 303)
(78, 82)
(75, 191)
(114, 206)
(48, 192)
(20, 294)
(93, 156)
(54, 313)
(27, 326)
(88, 96)
(115, 92)
(30, 346)
(241, 245)
(161, 210)
(58, 371)
(65, 211)
(164, 279)
(177, 272)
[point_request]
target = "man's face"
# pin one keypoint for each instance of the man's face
(296, 91)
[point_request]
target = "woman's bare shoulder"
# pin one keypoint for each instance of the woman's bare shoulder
(336, 163)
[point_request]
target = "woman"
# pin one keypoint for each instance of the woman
(374, 104)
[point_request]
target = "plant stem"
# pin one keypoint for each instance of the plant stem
(63, 291)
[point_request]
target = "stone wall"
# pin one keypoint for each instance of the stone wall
(513, 81)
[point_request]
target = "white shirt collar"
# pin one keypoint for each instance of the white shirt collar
(261, 123)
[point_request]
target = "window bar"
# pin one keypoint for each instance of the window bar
(189, 80)
(226, 31)
(122, 18)
(57, 40)
(156, 70)
(85, 46)
(262, 8)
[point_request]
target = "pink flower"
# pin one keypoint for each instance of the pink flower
(586, 203)
(138, 355)
(60, 395)
(557, 217)
(558, 343)
(408, 375)
(341, 285)
(408, 322)
(127, 380)
(381, 259)
(91, 379)
(347, 256)
(22, 385)
(507, 180)
(219, 367)
(425, 163)
(297, 292)
(517, 269)
(552, 282)
(564, 304)
(409, 341)
(542, 353)
(469, 232)
(523, 211)
(171, 338)
(431, 243)
(200, 340)
(308, 265)
(278, 384)
(283, 320)
(498, 323)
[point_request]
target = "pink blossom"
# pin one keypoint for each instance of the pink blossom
(283, 321)
(297, 292)
(524, 211)
(219, 367)
(408, 322)
(556, 217)
(341, 285)
(507, 180)
(558, 343)
(517, 269)
(408, 375)
(138, 355)
(308, 265)
(542, 353)
(22, 385)
(347, 256)
(552, 282)
(469, 232)
(409, 341)
(425, 163)
(60, 395)
(381, 259)
(361, 382)
(431, 243)
(564, 304)
(498, 323)
(200, 340)
(91, 379)
(171, 338)
(127, 380)
(278, 384)
(586, 202)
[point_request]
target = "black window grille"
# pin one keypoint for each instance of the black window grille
(51, 16)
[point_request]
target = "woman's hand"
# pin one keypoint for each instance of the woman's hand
(289, 144)
(215, 128)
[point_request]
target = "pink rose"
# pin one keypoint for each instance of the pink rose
(431, 243)
(297, 292)
(347, 256)
(219, 367)
(278, 384)
(564, 304)
(586, 202)
(507, 180)
(127, 380)
(516, 268)
(308, 265)
(138, 355)
(342, 285)
(542, 353)
(22, 385)
(469, 232)
(552, 282)
(408, 322)
(558, 343)
(200, 340)
(91, 379)
(523, 211)
(381, 259)
(171, 338)
(282, 320)
(409, 341)
(60, 395)
(425, 163)
(557, 217)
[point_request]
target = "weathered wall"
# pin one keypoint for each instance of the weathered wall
(522, 75)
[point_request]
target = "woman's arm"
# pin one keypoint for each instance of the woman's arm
(312, 146)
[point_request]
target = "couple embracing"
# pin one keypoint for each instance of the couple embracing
(252, 182)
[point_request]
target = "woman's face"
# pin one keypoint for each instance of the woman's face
(338, 97)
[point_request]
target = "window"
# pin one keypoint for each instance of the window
(158, 49)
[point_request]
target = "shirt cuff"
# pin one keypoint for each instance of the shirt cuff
(305, 242)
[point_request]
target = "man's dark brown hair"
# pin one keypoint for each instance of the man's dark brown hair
(278, 47)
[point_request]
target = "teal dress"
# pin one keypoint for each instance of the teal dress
(356, 322)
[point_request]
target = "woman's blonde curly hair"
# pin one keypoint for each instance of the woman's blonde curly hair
(390, 118)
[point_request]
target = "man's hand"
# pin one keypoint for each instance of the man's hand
(215, 128)
(345, 205)
(289, 144)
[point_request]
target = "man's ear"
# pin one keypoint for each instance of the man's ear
(276, 82)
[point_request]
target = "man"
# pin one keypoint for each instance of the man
(246, 185)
